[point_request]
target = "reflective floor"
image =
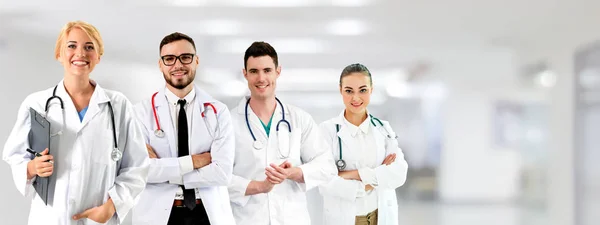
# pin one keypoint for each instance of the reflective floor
(433, 212)
(419, 213)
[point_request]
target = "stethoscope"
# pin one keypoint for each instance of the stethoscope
(115, 154)
(282, 141)
(160, 133)
(341, 163)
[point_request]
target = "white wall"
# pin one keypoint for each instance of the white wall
(561, 189)
(472, 169)
(587, 124)
(20, 63)
(558, 52)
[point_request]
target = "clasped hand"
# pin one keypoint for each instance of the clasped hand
(276, 174)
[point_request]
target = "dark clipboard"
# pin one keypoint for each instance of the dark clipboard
(39, 140)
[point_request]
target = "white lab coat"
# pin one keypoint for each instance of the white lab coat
(156, 201)
(339, 195)
(286, 203)
(84, 174)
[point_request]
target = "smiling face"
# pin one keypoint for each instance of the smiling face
(178, 63)
(356, 92)
(261, 74)
(78, 53)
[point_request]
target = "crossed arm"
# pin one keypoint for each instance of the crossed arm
(354, 175)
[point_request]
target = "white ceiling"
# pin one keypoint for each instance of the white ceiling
(425, 37)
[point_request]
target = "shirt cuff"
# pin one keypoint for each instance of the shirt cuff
(368, 176)
(122, 206)
(186, 164)
(31, 180)
(360, 192)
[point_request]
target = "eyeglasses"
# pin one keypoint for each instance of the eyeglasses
(185, 58)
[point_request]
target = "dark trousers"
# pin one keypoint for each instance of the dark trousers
(185, 216)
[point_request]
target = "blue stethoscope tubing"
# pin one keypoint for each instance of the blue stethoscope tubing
(257, 144)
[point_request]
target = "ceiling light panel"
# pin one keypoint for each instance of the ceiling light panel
(347, 27)
(282, 45)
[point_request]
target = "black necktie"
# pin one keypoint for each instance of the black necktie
(189, 195)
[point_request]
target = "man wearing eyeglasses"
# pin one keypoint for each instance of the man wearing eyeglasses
(190, 143)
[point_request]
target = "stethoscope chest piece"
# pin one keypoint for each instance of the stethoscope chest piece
(257, 145)
(341, 164)
(116, 155)
(159, 133)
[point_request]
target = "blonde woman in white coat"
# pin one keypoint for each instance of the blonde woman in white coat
(98, 163)
(370, 163)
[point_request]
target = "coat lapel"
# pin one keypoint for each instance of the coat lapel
(200, 130)
(255, 124)
(71, 118)
(164, 119)
(276, 117)
(379, 141)
(198, 126)
(345, 136)
(348, 140)
(98, 103)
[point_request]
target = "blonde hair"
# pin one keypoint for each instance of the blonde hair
(89, 29)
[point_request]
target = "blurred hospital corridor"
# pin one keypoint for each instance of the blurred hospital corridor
(496, 103)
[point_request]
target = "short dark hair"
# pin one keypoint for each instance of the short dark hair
(260, 48)
(356, 68)
(175, 37)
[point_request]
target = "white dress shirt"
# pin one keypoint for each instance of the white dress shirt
(366, 202)
(185, 162)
